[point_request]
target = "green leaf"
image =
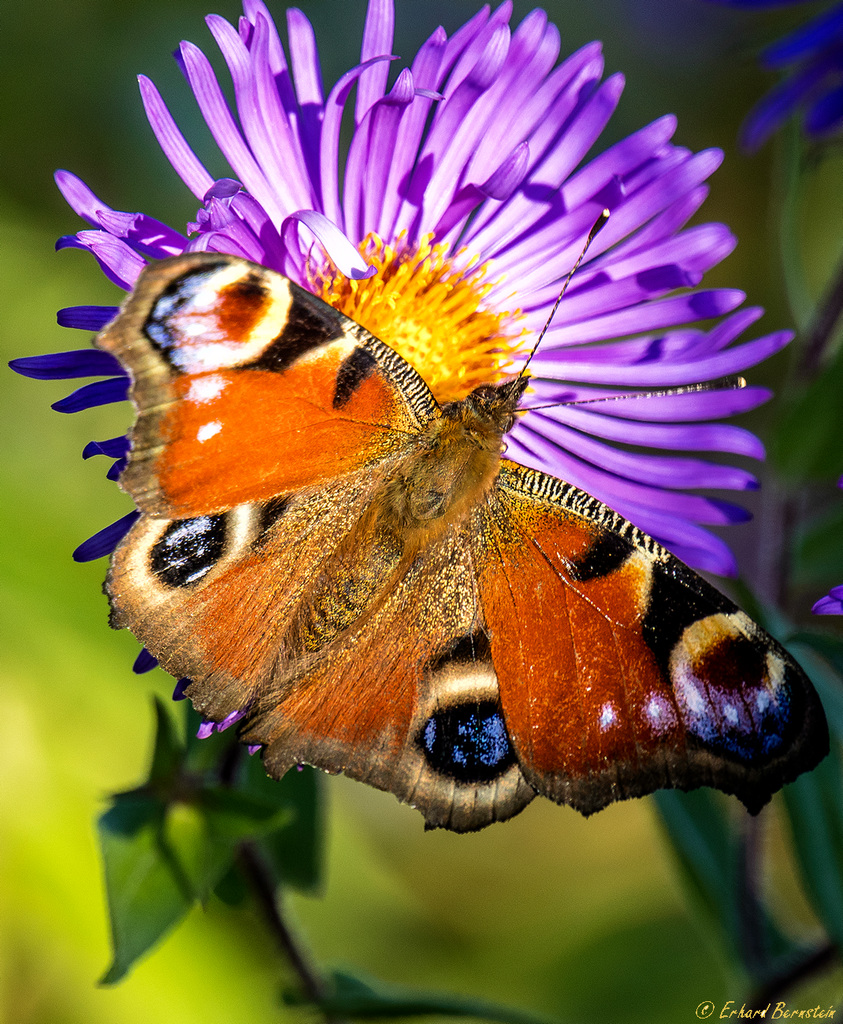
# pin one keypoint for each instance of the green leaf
(814, 805)
(356, 997)
(818, 551)
(805, 443)
(821, 655)
(296, 851)
(709, 851)
(706, 848)
(147, 893)
(203, 859)
(788, 184)
(168, 753)
(232, 888)
(235, 816)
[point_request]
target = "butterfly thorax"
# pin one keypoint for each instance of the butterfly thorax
(453, 464)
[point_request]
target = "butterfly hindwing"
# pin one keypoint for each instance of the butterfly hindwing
(621, 671)
(407, 704)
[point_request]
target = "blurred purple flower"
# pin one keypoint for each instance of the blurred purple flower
(465, 199)
(811, 58)
(832, 603)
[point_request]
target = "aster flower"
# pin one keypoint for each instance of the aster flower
(466, 196)
(811, 58)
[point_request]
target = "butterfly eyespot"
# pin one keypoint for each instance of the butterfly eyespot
(188, 550)
(735, 695)
(468, 742)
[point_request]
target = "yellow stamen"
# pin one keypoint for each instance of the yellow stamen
(430, 311)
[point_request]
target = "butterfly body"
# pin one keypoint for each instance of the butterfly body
(361, 575)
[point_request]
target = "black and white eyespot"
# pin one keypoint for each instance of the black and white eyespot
(187, 550)
(467, 742)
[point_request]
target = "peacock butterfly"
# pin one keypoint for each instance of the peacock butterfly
(359, 574)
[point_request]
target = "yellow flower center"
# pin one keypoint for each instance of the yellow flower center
(429, 311)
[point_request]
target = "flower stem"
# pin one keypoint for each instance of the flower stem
(262, 885)
(823, 326)
(811, 962)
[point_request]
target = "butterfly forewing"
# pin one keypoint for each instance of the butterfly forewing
(248, 387)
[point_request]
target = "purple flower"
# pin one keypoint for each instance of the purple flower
(466, 197)
(832, 603)
(811, 58)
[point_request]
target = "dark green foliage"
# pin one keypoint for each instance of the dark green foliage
(169, 843)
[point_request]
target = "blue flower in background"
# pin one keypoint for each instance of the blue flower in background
(811, 58)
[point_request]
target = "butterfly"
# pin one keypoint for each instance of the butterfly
(359, 575)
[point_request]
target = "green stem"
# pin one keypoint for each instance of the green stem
(261, 883)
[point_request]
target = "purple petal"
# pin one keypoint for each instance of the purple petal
(104, 542)
(377, 42)
(85, 362)
(806, 41)
(79, 197)
(180, 687)
(304, 58)
(216, 112)
(184, 161)
(116, 469)
(369, 157)
(114, 448)
(657, 315)
(147, 235)
(669, 472)
(426, 70)
(100, 392)
(144, 662)
(86, 318)
(278, 150)
(205, 730)
(831, 604)
(540, 451)
(118, 261)
(779, 103)
(340, 250)
(230, 720)
(330, 142)
(675, 436)
(825, 116)
(457, 126)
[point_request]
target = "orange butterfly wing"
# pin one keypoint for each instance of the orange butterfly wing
(248, 387)
(620, 670)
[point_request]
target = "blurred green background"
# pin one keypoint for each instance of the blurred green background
(582, 920)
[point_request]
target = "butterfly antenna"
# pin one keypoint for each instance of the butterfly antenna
(598, 224)
(734, 383)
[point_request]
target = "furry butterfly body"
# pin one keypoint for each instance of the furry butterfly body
(363, 578)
